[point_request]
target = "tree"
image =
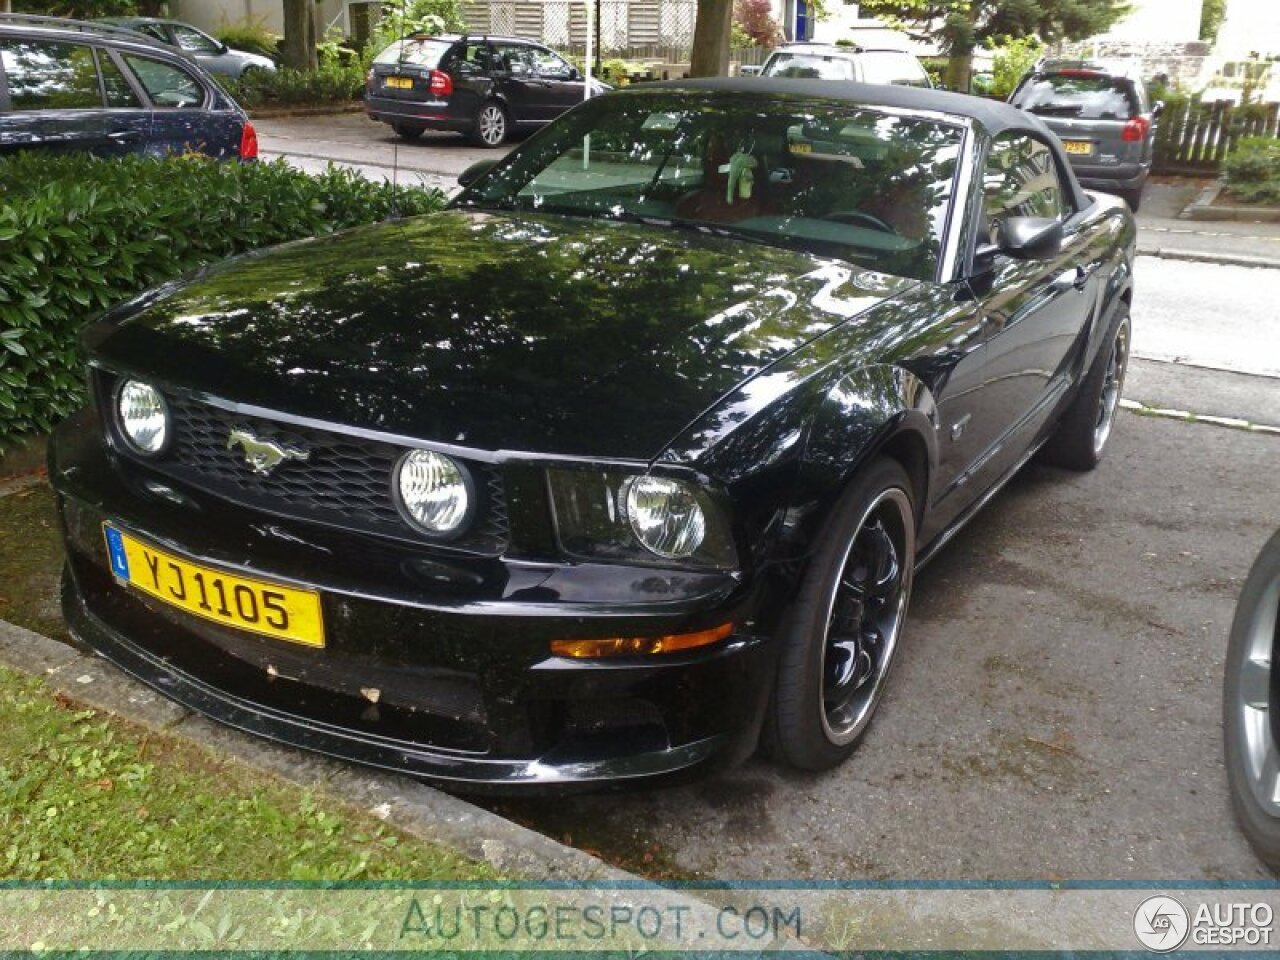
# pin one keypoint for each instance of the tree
(711, 39)
(960, 26)
(1212, 13)
(299, 48)
(754, 18)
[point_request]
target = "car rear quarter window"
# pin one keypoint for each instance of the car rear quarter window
(418, 51)
(1087, 96)
(1021, 180)
(169, 87)
(891, 66)
(47, 75)
(809, 66)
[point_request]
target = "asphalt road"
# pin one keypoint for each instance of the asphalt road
(1055, 712)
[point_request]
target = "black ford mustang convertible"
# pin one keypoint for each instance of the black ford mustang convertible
(619, 466)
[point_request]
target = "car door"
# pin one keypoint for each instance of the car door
(180, 119)
(523, 91)
(1034, 310)
(54, 100)
(564, 85)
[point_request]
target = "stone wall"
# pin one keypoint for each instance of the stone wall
(1189, 65)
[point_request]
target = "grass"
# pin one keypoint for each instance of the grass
(86, 795)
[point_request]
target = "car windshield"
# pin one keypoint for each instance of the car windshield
(867, 185)
(809, 66)
(419, 51)
(1089, 96)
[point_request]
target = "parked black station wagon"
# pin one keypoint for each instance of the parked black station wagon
(485, 87)
(618, 466)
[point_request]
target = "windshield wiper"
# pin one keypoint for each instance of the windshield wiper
(1058, 109)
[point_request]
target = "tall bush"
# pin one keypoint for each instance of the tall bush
(754, 20)
(78, 234)
(1252, 169)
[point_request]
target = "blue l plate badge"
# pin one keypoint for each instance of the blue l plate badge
(115, 549)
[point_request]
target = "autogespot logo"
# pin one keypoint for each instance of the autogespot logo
(1161, 923)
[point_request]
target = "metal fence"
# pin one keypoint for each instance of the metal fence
(1193, 137)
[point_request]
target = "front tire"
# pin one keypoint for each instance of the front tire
(842, 633)
(1080, 439)
(492, 126)
(1249, 705)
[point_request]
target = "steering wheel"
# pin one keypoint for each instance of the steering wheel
(856, 217)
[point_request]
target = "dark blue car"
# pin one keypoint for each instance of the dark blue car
(72, 86)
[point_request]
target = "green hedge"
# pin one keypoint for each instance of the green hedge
(78, 234)
(331, 83)
(1252, 170)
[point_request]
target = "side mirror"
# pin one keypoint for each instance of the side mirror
(474, 172)
(1023, 238)
(574, 75)
(1157, 108)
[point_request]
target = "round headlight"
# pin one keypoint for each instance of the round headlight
(434, 491)
(665, 516)
(144, 421)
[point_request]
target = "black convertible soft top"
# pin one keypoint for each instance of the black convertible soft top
(991, 116)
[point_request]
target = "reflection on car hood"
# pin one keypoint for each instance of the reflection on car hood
(497, 331)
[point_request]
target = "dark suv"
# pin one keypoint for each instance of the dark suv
(824, 61)
(1103, 117)
(72, 86)
(485, 87)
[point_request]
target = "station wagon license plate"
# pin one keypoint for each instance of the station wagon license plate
(257, 606)
(1081, 148)
(400, 83)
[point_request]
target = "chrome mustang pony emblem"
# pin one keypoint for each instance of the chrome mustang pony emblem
(263, 455)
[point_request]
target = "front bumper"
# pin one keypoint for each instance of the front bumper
(467, 693)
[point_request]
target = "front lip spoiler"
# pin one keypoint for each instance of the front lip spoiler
(480, 774)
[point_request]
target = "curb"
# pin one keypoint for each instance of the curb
(1203, 208)
(278, 113)
(1208, 256)
(514, 851)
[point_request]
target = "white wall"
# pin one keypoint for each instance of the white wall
(1161, 21)
(1251, 25)
(213, 15)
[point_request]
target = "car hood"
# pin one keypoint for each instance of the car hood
(495, 331)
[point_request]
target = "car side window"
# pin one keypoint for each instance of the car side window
(46, 75)
(1021, 180)
(154, 30)
(120, 95)
(474, 56)
(515, 59)
(193, 41)
(548, 64)
(166, 85)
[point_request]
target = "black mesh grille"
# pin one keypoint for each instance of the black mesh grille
(345, 480)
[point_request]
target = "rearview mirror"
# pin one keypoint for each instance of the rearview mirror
(474, 172)
(1157, 108)
(1023, 238)
(749, 70)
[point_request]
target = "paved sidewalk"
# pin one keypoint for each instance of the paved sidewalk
(1162, 234)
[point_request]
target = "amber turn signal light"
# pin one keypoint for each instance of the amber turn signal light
(638, 646)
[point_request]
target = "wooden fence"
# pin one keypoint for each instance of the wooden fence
(1193, 137)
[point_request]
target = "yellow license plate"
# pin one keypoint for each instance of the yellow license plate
(257, 606)
(1078, 147)
(400, 83)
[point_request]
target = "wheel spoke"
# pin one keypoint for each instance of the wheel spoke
(1255, 684)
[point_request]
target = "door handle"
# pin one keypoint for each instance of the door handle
(124, 136)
